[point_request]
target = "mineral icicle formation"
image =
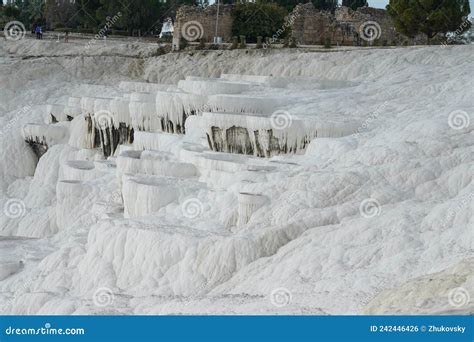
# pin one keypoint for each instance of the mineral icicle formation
(242, 114)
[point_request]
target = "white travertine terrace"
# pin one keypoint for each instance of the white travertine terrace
(56, 111)
(74, 101)
(119, 108)
(153, 163)
(144, 195)
(143, 87)
(260, 135)
(212, 87)
(174, 107)
(246, 78)
(45, 135)
(70, 112)
(69, 194)
(79, 170)
(248, 204)
(231, 118)
(111, 224)
(155, 141)
(82, 134)
(244, 103)
(87, 104)
(143, 112)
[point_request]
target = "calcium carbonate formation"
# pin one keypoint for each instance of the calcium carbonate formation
(164, 142)
(236, 115)
(207, 195)
(156, 136)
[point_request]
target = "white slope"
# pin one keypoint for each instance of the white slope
(427, 294)
(285, 235)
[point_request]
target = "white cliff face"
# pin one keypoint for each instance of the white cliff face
(363, 195)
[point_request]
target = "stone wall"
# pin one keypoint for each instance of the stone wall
(309, 26)
(368, 22)
(194, 23)
(366, 26)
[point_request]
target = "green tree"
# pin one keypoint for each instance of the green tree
(140, 16)
(354, 4)
(286, 4)
(429, 16)
(86, 13)
(36, 10)
(59, 13)
(289, 5)
(259, 19)
(108, 8)
(11, 11)
(325, 5)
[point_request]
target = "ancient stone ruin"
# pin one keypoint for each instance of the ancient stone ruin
(309, 26)
(195, 23)
(366, 26)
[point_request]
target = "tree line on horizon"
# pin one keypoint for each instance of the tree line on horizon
(137, 16)
(145, 17)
